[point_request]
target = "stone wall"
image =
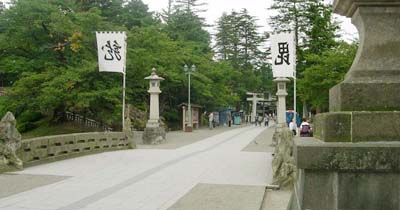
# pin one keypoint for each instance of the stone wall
(346, 176)
(49, 148)
(283, 167)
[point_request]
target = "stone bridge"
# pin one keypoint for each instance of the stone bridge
(50, 148)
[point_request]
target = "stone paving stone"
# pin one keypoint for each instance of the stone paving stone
(221, 197)
(262, 143)
(12, 183)
(276, 200)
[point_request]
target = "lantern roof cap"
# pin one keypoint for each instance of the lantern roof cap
(154, 75)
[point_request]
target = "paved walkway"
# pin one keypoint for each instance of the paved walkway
(146, 179)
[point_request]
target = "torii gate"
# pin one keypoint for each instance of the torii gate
(255, 100)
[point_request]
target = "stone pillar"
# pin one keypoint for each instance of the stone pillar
(353, 163)
(184, 118)
(154, 108)
(254, 109)
(281, 105)
(153, 133)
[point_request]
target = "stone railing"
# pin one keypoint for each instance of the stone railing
(49, 148)
(2, 91)
(81, 120)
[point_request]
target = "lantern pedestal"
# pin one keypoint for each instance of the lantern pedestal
(154, 135)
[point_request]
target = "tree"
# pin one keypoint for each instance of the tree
(188, 6)
(237, 40)
(289, 17)
(328, 69)
(321, 30)
(49, 57)
(136, 14)
(188, 27)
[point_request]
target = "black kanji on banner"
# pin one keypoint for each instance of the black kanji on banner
(283, 56)
(112, 51)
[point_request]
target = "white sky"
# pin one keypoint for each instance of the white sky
(258, 8)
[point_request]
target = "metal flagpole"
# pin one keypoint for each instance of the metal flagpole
(123, 86)
(123, 101)
(294, 99)
(294, 84)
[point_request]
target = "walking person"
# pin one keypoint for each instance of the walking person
(210, 120)
(266, 120)
(256, 120)
(305, 128)
(293, 127)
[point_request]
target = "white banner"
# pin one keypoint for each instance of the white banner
(283, 50)
(111, 48)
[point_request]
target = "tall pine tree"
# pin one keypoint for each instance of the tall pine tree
(237, 39)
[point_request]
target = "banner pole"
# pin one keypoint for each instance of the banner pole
(123, 85)
(295, 83)
(123, 101)
(294, 99)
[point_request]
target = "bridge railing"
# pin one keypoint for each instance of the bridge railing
(44, 149)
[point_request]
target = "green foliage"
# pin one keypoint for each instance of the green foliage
(328, 69)
(29, 116)
(49, 61)
(238, 41)
(3, 107)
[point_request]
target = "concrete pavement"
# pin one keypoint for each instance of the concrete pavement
(149, 179)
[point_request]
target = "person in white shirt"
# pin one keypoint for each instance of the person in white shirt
(293, 127)
(305, 128)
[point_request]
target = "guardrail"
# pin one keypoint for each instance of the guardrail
(79, 119)
(49, 148)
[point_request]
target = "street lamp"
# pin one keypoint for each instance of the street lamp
(188, 72)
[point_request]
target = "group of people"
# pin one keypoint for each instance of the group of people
(259, 119)
(305, 128)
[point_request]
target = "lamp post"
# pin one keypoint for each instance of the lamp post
(188, 72)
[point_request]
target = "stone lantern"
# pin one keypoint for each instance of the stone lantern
(154, 133)
(281, 106)
(353, 163)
